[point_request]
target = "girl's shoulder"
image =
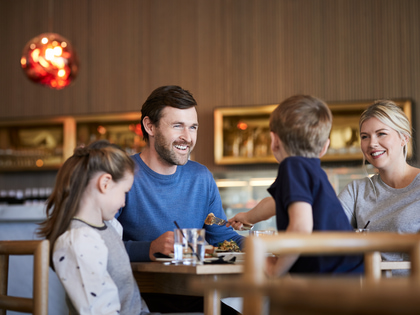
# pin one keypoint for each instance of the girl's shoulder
(76, 235)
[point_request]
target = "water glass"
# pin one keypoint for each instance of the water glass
(178, 245)
(189, 246)
(261, 232)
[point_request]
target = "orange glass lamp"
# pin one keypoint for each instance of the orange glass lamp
(49, 59)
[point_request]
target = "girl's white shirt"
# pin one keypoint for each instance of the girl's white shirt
(88, 285)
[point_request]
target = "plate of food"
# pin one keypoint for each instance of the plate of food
(229, 250)
(228, 246)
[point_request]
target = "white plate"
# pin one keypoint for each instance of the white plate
(240, 256)
(211, 258)
(219, 253)
(164, 259)
(171, 259)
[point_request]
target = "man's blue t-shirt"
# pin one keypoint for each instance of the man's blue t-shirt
(303, 179)
(155, 201)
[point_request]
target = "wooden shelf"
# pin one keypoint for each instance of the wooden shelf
(44, 144)
(242, 135)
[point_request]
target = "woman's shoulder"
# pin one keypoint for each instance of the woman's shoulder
(360, 184)
(416, 176)
(368, 179)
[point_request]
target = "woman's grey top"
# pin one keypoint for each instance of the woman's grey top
(388, 209)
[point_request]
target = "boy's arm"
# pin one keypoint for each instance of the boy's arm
(264, 210)
(300, 221)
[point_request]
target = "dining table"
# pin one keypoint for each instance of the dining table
(170, 278)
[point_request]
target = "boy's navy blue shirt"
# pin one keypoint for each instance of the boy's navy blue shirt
(303, 179)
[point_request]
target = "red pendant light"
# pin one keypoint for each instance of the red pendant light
(49, 59)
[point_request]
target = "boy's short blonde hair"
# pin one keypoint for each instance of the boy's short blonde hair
(303, 124)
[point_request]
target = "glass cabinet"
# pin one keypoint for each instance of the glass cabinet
(44, 144)
(240, 191)
(242, 135)
(35, 144)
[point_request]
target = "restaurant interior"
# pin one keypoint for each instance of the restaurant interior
(238, 58)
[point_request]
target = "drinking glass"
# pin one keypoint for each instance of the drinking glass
(261, 232)
(178, 245)
(189, 246)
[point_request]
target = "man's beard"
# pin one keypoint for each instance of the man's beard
(167, 154)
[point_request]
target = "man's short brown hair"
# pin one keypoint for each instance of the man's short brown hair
(169, 95)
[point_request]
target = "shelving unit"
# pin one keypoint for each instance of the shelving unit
(35, 144)
(242, 133)
(44, 144)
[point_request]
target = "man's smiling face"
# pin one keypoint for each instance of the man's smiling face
(176, 134)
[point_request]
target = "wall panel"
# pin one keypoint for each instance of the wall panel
(226, 52)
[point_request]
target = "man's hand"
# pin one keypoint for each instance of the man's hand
(163, 244)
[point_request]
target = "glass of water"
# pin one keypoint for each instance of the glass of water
(189, 246)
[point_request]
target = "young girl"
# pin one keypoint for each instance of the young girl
(88, 254)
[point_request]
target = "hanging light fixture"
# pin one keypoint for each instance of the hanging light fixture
(49, 59)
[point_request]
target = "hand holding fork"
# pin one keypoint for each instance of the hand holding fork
(211, 219)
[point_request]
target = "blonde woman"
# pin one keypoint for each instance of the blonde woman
(390, 200)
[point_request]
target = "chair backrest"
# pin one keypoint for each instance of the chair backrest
(38, 304)
(331, 243)
(388, 266)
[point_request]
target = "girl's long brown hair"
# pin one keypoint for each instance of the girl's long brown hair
(72, 179)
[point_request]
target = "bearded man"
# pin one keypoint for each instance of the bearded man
(168, 186)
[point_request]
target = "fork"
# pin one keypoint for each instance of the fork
(218, 221)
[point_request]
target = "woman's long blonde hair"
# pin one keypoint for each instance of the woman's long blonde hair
(71, 182)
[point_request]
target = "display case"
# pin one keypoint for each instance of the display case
(123, 129)
(36, 144)
(242, 134)
(44, 144)
(240, 191)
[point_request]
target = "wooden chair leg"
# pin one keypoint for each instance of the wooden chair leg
(41, 270)
(373, 266)
(415, 264)
(4, 269)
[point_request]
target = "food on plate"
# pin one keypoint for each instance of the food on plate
(229, 246)
(210, 219)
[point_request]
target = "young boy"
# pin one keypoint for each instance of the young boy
(302, 197)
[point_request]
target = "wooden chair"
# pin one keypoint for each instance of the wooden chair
(388, 266)
(253, 285)
(326, 243)
(38, 304)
